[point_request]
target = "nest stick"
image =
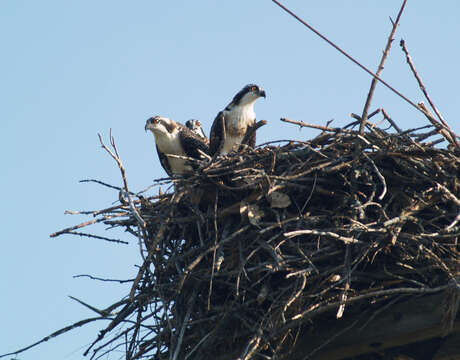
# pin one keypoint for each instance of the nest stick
(345, 239)
(252, 130)
(190, 305)
(320, 127)
(380, 69)
(445, 132)
(114, 154)
(390, 120)
(402, 43)
(54, 334)
(97, 237)
(103, 184)
(452, 138)
(83, 224)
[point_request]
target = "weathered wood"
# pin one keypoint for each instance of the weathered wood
(408, 322)
(450, 349)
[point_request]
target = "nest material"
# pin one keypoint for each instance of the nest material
(258, 249)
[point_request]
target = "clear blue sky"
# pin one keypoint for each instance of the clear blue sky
(71, 69)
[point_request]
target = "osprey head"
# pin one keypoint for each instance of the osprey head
(248, 94)
(160, 125)
(193, 124)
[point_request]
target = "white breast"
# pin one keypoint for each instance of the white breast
(237, 121)
(170, 144)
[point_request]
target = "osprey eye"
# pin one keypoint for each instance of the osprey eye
(198, 123)
(156, 121)
(253, 89)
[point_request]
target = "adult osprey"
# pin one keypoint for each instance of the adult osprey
(195, 126)
(231, 124)
(173, 138)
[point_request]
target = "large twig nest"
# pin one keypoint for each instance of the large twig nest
(260, 248)
(249, 253)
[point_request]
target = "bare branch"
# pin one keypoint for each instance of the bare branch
(452, 138)
(380, 69)
(56, 333)
(320, 127)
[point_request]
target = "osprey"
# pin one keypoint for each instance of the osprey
(231, 125)
(195, 126)
(173, 138)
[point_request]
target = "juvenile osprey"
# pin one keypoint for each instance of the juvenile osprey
(195, 126)
(231, 124)
(175, 139)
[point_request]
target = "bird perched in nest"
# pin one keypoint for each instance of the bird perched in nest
(231, 124)
(173, 138)
(195, 126)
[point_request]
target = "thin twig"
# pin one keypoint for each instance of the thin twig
(379, 175)
(452, 138)
(103, 313)
(357, 117)
(320, 127)
(102, 183)
(116, 157)
(252, 130)
(102, 279)
(190, 305)
(56, 333)
(347, 279)
(380, 69)
(425, 92)
(390, 120)
(97, 237)
(345, 239)
(83, 224)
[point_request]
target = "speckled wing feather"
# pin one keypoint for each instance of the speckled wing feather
(191, 142)
(164, 162)
(217, 135)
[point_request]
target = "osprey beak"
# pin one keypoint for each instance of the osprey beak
(262, 93)
(147, 125)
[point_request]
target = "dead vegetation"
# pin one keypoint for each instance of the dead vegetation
(260, 250)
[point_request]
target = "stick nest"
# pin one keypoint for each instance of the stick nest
(261, 247)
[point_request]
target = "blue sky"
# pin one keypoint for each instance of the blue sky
(72, 69)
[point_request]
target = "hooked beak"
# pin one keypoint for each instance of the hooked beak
(147, 127)
(262, 93)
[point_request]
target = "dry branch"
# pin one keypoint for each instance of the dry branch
(447, 133)
(380, 69)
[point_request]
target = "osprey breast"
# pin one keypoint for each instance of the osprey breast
(172, 145)
(238, 120)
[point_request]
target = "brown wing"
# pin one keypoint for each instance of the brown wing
(191, 142)
(164, 162)
(217, 135)
(252, 139)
